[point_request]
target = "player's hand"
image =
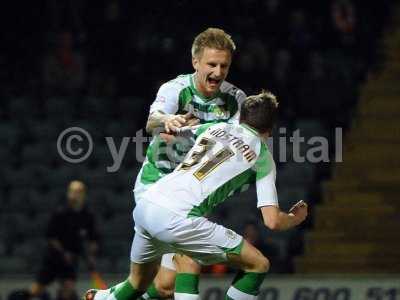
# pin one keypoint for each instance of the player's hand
(192, 121)
(167, 138)
(300, 211)
(173, 122)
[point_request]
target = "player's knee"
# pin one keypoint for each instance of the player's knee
(263, 264)
(185, 264)
(260, 264)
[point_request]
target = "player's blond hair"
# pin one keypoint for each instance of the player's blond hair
(213, 38)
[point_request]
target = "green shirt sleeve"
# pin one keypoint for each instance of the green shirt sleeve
(264, 163)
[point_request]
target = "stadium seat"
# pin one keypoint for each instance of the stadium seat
(99, 201)
(2, 247)
(13, 265)
(296, 173)
(21, 106)
(290, 194)
(58, 106)
(19, 178)
(117, 248)
(310, 128)
(43, 130)
(10, 132)
(119, 225)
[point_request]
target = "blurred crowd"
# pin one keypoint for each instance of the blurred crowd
(313, 55)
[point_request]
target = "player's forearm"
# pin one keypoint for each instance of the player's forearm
(275, 219)
(156, 120)
(286, 221)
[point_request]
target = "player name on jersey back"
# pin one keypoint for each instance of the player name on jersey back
(236, 142)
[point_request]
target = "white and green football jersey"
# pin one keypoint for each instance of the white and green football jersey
(225, 158)
(180, 96)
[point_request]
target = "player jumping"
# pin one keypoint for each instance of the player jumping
(204, 96)
(171, 218)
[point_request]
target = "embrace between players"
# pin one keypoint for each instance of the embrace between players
(227, 150)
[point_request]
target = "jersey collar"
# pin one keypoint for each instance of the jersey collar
(249, 128)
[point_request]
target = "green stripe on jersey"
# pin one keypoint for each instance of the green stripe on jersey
(223, 192)
(162, 160)
(203, 128)
(263, 164)
(240, 183)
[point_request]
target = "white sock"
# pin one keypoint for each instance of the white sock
(235, 294)
(184, 296)
(145, 296)
(102, 294)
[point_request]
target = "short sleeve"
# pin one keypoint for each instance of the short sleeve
(265, 178)
(266, 190)
(240, 97)
(167, 99)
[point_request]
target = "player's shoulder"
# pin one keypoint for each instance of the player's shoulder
(178, 83)
(232, 90)
(265, 162)
(236, 130)
(210, 127)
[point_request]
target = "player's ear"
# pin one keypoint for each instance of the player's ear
(195, 62)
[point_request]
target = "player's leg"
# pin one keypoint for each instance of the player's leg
(140, 277)
(187, 278)
(254, 267)
(145, 260)
(211, 243)
(163, 285)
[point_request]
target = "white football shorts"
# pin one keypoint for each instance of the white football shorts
(159, 231)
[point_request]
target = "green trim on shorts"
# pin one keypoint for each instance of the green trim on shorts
(235, 250)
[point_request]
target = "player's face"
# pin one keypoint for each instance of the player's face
(212, 67)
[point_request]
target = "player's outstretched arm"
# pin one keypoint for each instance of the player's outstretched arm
(275, 219)
(167, 122)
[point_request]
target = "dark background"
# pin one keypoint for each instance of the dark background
(98, 65)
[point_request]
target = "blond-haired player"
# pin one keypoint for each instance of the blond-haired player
(203, 96)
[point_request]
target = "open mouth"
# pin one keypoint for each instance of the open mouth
(213, 81)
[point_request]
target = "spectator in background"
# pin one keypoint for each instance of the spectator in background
(344, 22)
(69, 228)
(64, 69)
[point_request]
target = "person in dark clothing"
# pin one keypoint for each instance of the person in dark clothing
(71, 227)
